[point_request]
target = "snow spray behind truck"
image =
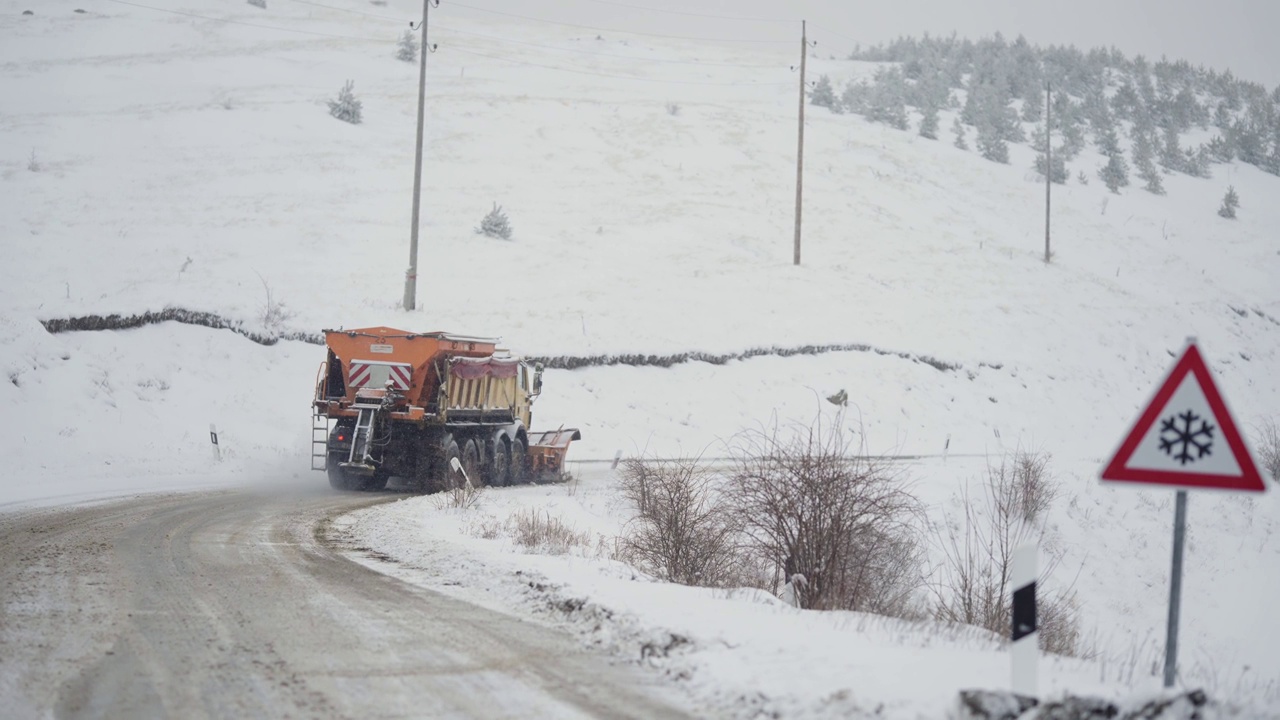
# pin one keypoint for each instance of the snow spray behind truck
(418, 405)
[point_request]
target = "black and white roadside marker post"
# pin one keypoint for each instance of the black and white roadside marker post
(1186, 437)
(1025, 650)
(213, 438)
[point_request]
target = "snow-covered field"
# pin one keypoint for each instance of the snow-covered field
(150, 158)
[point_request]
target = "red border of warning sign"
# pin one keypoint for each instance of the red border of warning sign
(1190, 362)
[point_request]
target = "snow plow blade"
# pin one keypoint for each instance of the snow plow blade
(547, 451)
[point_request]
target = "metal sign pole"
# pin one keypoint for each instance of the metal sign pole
(1175, 588)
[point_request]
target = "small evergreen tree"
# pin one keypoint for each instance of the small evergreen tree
(957, 129)
(1115, 173)
(1144, 161)
(929, 123)
(1220, 150)
(495, 224)
(823, 95)
(992, 144)
(1106, 140)
(1230, 202)
(1197, 162)
(854, 97)
(1059, 163)
(887, 102)
(407, 48)
(1171, 157)
(1072, 137)
(346, 108)
(1082, 178)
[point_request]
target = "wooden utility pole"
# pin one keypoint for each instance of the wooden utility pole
(411, 275)
(804, 50)
(1048, 162)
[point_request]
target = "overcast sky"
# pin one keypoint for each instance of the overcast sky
(1238, 34)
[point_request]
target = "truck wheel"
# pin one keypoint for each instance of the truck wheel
(449, 478)
(500, 468)
(519, 470)
(377, 482)
(471, 463)
(338, 478)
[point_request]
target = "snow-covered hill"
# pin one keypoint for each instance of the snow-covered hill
(151, 157)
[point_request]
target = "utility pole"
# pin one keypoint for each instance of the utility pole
(411, 275)
(804, 50)
(1048, 162)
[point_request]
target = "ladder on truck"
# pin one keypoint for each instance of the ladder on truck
(319, 441)
(320, 423)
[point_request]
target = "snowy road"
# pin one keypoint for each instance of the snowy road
(231, 604)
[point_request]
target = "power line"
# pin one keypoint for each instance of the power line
(600, 54)
(617, 77)
(693, 14)
(613, 30)
(353, 12)
(247, 24)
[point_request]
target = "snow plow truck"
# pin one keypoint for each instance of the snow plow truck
(434, 409)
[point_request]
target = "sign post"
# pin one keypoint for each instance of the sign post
(1184, 438)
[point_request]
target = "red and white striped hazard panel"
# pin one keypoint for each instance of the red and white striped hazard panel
(375, 374)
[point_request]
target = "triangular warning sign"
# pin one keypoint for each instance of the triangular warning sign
(1186, 437)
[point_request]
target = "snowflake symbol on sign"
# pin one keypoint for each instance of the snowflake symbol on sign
(1179, 439)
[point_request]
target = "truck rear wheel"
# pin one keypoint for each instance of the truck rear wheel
(339, 479)
(500, 467)
(449, 478)
(471, 462)
(519, 471)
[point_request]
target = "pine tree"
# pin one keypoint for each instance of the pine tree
(495, 224)
(992, 144)
(1115, 174)
(854, 98)
(407, 48)
(1230, 202)
(1220, 150)
(346, 108)
(1104, 135)
(957, 129)
(1145, 164)
(1222, 117)
(929, 123)
(887, 103)
(823, 95)
(1171, 157)
(1058, 163)
(1198, 162)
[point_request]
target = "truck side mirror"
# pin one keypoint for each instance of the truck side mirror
(537, 379)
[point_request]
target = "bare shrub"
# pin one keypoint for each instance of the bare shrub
(810, 507)
(1033, 488)
(33, 164)
(533, 530)
(460, 494)
(1058, 626)
(973, 584)
(1267, 442)
(682, 531)
(273, 313)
